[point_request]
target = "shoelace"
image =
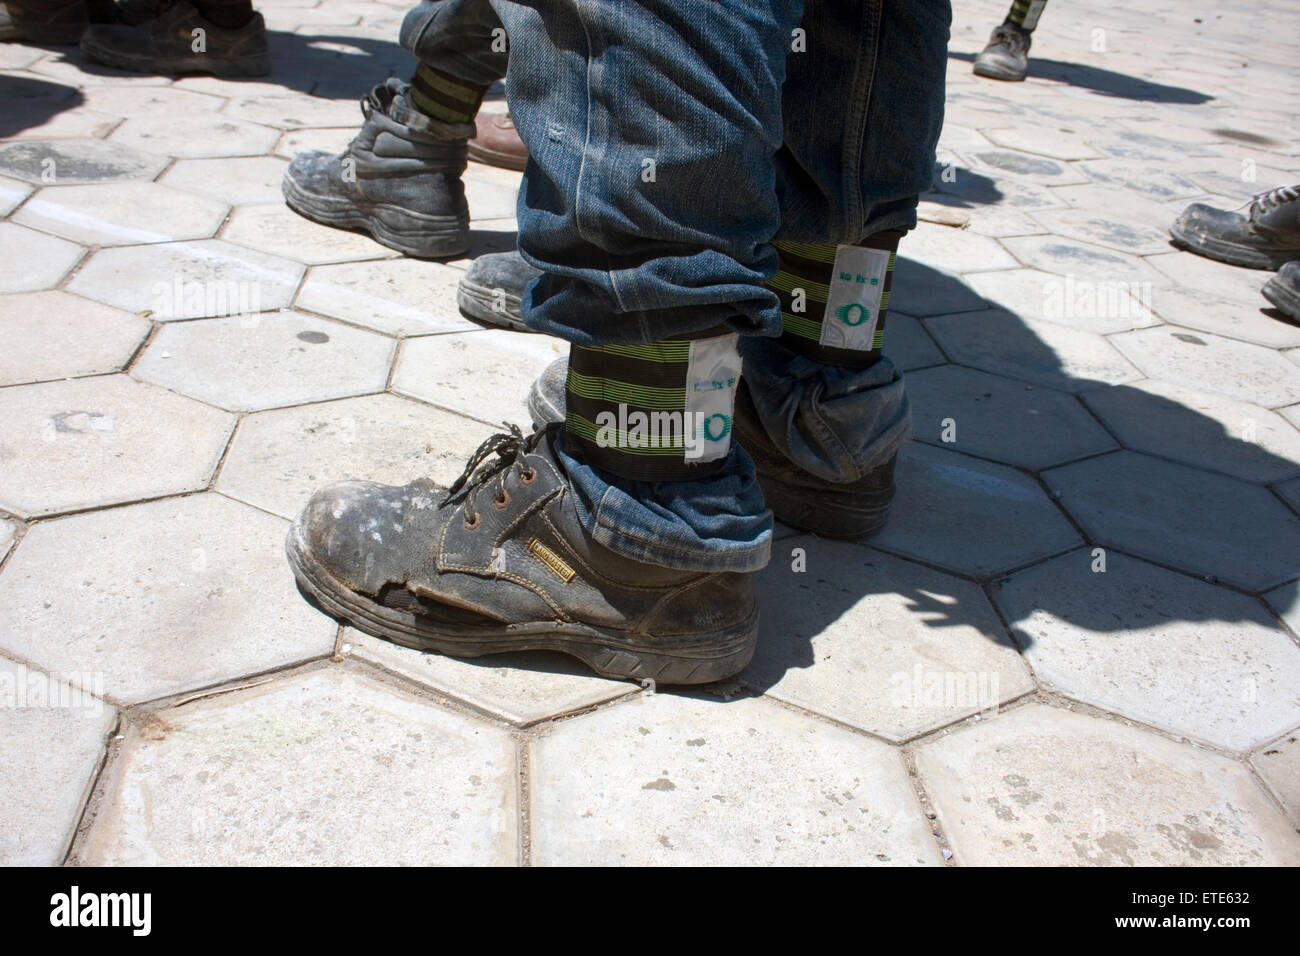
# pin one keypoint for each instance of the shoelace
(1011, 37)
(508, 446)
(1263, 202)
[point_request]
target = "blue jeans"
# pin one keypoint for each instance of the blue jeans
(671, 141)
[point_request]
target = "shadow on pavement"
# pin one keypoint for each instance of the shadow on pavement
(1101, 82)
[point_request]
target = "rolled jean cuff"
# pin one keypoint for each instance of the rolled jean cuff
(455, 36)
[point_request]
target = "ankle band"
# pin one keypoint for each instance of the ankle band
(1025, 14)
(444, 97)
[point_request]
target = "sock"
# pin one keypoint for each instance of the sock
(1025, 13)
(442, 96)
(834, 299)
(230, 14)
(657, 412)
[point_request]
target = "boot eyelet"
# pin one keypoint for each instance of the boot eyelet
(471, 524)
(528, 477)
(500, 502)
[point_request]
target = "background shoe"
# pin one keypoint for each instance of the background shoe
(57, 22)
(1283, 290)
(503, 563)
(1006, 57)
(1267, 237)
(497, 142)
(398, 180)
(492, 288)
(166, 43)
(848, 511)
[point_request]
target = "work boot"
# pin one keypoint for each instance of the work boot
(492, 288)
(497, 142)
(502, 563)
(399, 179)
(179, 39)
(1007, 55)
(57, 22)
(1283, 290)
(802, 500)
(1267, 237)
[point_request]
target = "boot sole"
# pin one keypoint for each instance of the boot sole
(54, 36)
(416, 235)
(492, 157)
(1230, 252)
(252, 65)
(811, 510)
(609, 653)
(477, 302)
(1282, 297)
(994, 73)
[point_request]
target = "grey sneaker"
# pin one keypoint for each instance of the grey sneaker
(178, 39)
(502, 563)
(850, 511)
(399, 179)
(57, 22)
(493, 287)
(1267, 237)
(1283, 290)
(1006, 57)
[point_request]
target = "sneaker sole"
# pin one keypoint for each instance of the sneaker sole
(1230, 252)
(492, 157)
(609, 653)
(995, 73)
(478, 302)
(1282, 297)
(252, 65)
(420, 236)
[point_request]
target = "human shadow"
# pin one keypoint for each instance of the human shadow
(1100, 81)
(31, 102)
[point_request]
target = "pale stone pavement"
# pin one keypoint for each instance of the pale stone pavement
(1075, 643)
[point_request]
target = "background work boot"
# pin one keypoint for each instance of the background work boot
(503, 563)
(1283, 290)
(492, 288)
(1007, 55)
(497, 142)
(43, 21)
(1267, 237)
(179, 39)
(399, 179)
(802, 500)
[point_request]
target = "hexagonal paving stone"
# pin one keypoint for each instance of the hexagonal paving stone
(994, 417)
(1131, 144)
(1248, 373)
(54, 736)
(7, 531)
(1077, 303)
(1279, 765)
(149, 101)
(970, 516)
(188, 280)
(1034, 169)
(1056, 143)
(486, 374)
(1218, 279)
(1205, 430)
(937, 652)
(1285, 600)
(522, 688)
(1194, 309)
(105, 440)
(158, 598)
(1160, 647)
(12, 192)
(122, 214)
(1150, 179)
(1115, 204)
(71, 162)
(31, 260)
(1290, 491)
(1225, 178)
(52, 335)
(1111, 230)
(920, 290)
(744, 782)
(295, 111)
(71, 67)
(1045, 787)
(279, 458)
(1039, 352)
(67, 123)
(397, 296)
(908, 345)
(1201, 522)
(277, 229)
(1080, 260)
(943, 247)
(265, 361)
(195, 136)
(329, 140)
(243, 179)
(293, 773)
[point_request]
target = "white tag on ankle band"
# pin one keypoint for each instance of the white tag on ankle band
(712, 375)
(853, 300)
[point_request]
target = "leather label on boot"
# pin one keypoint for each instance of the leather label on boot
(712, 375)
(554, 563)
(853, 300)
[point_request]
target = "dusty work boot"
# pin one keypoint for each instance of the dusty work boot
(57, 22)
(492, 288)
(1266, 237)
(502, 563)
(1006, 57)
(1283, 290)
(802, 500)
(179, 39)
(399, 179)
(497, 142)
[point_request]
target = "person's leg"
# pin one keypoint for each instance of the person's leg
(1006, 57)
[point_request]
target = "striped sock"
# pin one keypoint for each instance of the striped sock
(1025, 14)
(442, 96)
(657, 412)
(834, 299)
